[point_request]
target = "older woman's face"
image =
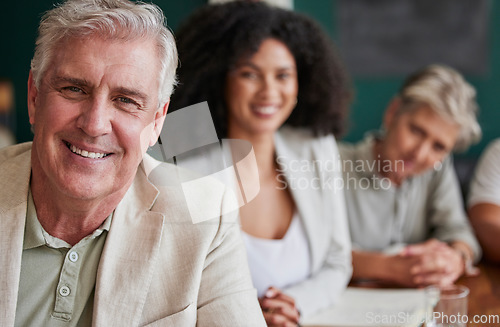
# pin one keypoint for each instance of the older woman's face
(261, 91)
(416, 140)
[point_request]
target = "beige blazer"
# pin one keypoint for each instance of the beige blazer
(310, 167)
(157, 268)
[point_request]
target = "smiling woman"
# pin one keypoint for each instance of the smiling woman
(261, 91)
(414, 232)
(272, 77)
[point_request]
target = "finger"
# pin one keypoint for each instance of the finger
(427, 279)
(422, 248)
(288, 299)
(273, 292)
(414, 250)
(471, 271)
(276, 319)
(448, 280)
(436, 262)
(436, 279)
(281, 307)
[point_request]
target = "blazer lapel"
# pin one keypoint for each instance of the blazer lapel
(129, 256)
(288, 158)
(15, 173)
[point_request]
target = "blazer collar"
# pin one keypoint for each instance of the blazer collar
(14, 172)
(129, 256)
(288, 157)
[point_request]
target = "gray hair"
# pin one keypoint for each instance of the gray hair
(449, 95)
(114, 19)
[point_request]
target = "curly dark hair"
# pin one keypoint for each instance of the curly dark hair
(215, 37)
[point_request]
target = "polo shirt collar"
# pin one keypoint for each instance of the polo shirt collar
(35, 235)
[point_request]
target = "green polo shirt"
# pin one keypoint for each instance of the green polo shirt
(57, 280)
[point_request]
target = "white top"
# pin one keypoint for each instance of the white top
(279, 263)
(485, 185)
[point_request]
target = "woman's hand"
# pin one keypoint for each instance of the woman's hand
(438, 263)
(279, 309)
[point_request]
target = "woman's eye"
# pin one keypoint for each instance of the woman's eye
(439, 148)
(250, 75)
(283, 76)
(416, 130)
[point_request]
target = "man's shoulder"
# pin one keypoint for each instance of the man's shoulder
(12, 151)
(15, 164)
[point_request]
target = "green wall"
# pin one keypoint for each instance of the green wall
(372, 95)
(19, 20)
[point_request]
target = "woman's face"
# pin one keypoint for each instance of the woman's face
(261, 91)
(416, 140)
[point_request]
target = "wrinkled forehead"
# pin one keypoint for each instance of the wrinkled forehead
(414, 108)
(93, 62)
(100, 49)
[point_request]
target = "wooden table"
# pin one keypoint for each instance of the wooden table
(484, 297)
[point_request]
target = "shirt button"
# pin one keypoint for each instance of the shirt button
(64, 291)
(73, 257)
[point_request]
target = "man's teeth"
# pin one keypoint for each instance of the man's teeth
(267, 110)
(86, 154)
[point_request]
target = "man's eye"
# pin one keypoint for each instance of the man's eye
(127, 104)
(72, 92)
(73, 89)
(125, 100)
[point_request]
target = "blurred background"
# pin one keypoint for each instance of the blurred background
(381, 42)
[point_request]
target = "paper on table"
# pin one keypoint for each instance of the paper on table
(373, 307)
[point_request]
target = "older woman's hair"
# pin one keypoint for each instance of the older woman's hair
(111, 19)
(449, 95)
(216, 37)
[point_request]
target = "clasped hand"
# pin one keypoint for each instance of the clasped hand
(430, 263)
(279, 309)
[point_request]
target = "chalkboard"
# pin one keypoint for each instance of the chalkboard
(396, 37)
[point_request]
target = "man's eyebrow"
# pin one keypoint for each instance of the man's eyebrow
(70, 80)
(82, 82)
(131, 92)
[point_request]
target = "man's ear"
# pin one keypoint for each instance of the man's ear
(32, 96)
(158, 123)
(391, 111)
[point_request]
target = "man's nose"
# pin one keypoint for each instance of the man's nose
(95, 117)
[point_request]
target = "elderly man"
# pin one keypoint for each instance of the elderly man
(86, 239)
(404, 204)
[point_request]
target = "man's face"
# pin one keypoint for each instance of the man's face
(416, 140)
(95, 114)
